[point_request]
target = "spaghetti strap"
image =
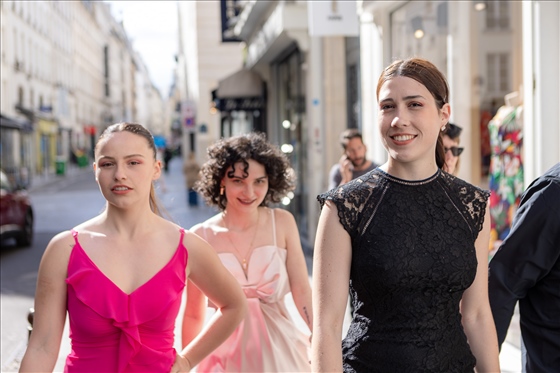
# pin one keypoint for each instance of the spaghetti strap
(273, 227)
(75, 235)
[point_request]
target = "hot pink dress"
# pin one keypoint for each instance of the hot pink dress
(267, 340)
(112, 331)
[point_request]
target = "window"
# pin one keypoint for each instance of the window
(20, 96)
(497, 15)
(498, 73)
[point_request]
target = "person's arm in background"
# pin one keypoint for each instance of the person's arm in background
(528, 252)
(296, 266)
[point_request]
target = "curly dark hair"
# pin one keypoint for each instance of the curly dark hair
(227, 152)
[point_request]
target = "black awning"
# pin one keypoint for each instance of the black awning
(8, 122)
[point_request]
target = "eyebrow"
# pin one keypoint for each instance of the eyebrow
(405, 98)
(126, 156)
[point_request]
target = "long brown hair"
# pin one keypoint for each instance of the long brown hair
(139, 130)
(427, 74)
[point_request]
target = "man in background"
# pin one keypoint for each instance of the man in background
(353, 162)
(526, 268)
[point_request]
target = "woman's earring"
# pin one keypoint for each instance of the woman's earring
(442, 128)
(222, 188)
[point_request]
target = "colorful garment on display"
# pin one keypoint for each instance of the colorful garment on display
(506, 170)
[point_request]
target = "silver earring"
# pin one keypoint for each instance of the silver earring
(442, 128)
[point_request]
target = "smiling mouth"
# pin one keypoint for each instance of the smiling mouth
(402, 137)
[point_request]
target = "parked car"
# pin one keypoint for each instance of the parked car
(16, 212)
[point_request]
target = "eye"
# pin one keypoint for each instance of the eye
(386, 107)
(415, 104)
(106, 164)
(133, 163)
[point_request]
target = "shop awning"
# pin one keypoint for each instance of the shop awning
(244, 83)
(8, 122)
(243, 90)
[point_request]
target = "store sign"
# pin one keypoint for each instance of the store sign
(229, 11)
(333, 18)
(246, 103)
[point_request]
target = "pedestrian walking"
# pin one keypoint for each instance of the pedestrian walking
(526, 269)
(410, 243)
(261, 247)
(191, 170)
(353, 162)
(120, 275)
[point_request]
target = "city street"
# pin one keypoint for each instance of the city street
(62, 202)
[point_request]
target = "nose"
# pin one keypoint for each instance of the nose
(119, 173)
(400, 119)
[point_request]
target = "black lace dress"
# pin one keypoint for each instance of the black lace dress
(413, 256)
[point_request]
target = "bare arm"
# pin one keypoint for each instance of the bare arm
(50, 307)
(195, 314)
(296, 267)
(331, 274)
(475, 308)
(214, 280)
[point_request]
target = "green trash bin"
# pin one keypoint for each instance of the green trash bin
(60, 166)
(82, 161)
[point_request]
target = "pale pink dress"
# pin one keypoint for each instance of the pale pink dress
(267, 340)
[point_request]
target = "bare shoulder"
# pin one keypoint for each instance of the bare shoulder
(206, 228)
(284, 217)
(59, 249)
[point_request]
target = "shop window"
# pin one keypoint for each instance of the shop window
(498, 73)
(20, 96)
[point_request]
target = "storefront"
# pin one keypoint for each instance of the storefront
(493, 54)
(46, 145)
(241, 100)
(290, 131)
(15, 149)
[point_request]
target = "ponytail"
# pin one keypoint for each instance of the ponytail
(440, 152)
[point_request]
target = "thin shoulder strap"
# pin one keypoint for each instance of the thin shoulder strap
(182, 230)
(273, 227)
(75, 235)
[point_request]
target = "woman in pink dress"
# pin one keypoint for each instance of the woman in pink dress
(261, 247)
(121, 275)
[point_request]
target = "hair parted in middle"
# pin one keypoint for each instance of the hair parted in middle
(227, 152)
(427, 74)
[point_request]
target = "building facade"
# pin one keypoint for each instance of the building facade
(68, 71)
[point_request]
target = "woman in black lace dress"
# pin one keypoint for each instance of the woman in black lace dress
(410, 242)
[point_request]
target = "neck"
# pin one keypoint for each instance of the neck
(410, 171)
(240, 221)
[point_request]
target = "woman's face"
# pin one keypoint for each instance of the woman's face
(246, 193)
(450, 159)
(125, 169)
(409, 120)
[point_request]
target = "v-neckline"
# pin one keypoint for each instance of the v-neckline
(77, 244)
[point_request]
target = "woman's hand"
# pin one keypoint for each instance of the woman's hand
(181, 364)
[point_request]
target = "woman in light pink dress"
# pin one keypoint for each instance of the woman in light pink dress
(261, 247)
(120, 276)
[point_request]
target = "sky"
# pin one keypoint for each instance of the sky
(152, 28)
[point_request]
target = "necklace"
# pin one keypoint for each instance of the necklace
(244, 262)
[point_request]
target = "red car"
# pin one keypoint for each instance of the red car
(16, 213)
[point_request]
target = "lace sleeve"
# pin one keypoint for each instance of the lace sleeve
(474, 201)
(350, 200)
